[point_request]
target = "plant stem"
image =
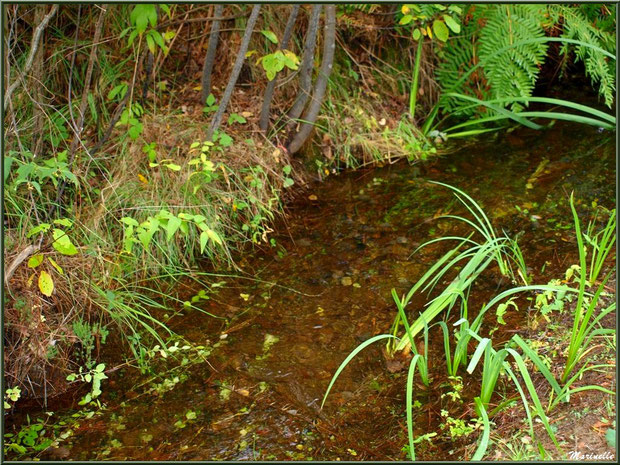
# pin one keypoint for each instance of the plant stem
(415, 78)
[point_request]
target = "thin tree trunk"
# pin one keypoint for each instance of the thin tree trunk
(34, 46)
(312, 113)
(263, 122)
(83, 103)
(243, 48)
(214, 37)
(305, 73)
(36, 86)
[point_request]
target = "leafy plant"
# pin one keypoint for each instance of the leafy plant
(93, 377)
(601, 244)
(210, 105)
(11, 395)
(275, 62)
(419, 18)
(34, 175)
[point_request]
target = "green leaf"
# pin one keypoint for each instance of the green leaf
(210, 100)
(64, 222)
(225, 140)
(288, 182)
(172, 166)
(287, 169)
(405, 20)
(46, 284)
(8, 161)
(35, 260)
(173, 225)
(270, 35)
(214, 236)
(440, 30)
(416, 34)
(235, 118)
(204, 238)
(150, 43)
(43, 227)
(129, 221)
(610, 436)
(62, 243)
(452, 24)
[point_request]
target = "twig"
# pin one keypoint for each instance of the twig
(23, 255)
(243, 48)
(311, 114)
(79, 127)
(305, 73)
(214, 37)
(34, 45)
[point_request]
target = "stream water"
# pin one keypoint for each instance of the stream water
(323, 290)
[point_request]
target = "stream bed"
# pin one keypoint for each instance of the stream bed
(254, 387)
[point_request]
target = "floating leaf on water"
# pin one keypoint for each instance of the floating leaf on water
(270, 340)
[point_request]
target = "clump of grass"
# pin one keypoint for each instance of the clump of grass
(506, 253)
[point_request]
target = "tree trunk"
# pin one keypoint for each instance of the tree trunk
(263, 122)
(312, 113)
(305, 73)
(214, 37)
(243, 48)
(77, 137)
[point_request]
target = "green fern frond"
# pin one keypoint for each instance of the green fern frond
(514, 72)
(576, 25)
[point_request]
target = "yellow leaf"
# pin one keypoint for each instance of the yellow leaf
(35, 260)
(142, 179)
(56, 265)
(46, 284)
(405, 9)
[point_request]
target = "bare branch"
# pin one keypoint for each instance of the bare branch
(305, 73)
(214, 37)
(312, 113)
(243, 48)
(34, 45)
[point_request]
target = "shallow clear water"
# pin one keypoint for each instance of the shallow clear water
(324, 289)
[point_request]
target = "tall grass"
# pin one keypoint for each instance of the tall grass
(492, 363)
(502, 250)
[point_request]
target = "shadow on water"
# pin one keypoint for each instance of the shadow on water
(342, 252)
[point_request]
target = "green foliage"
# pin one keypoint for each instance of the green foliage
(275, 62)
(499, 55)
(142, 233)
(130, 118)
(578, 26)
(93, 377)
(210, 105)
(11, 395)
(35, 176)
